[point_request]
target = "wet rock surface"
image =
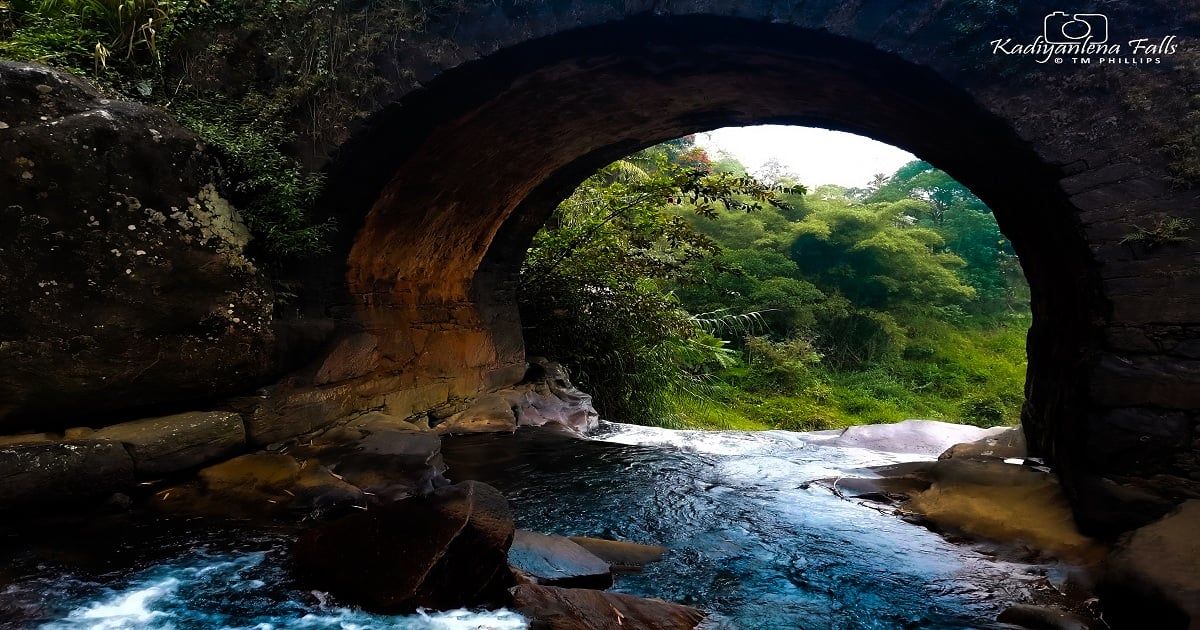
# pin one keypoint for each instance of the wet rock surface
(490, 413)
(1004, 503)
(1153, 576)
(1006, 444)
(552, 608)
(981, 489)
(442, 551)
(170, 444)
(386, 465)
(918, 437)
(1042, 618)
(558, 561)
(375, 462)
(55, 474)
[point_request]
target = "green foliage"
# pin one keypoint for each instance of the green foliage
(839, 306)
(593, 285)
(1166, 231)
(50, 39)
(311, 75)
(273, 191)
(94, 36)
(876, 258)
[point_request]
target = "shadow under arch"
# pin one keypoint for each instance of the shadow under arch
(439, 195)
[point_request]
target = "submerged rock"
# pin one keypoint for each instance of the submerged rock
(1004, 503)
(1153, 576)
(1042, 618)
(558, 561)
(981, 498)
(552, 608)
(170, 444)
(443, 551)
(621, 555)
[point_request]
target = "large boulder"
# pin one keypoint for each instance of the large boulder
(1153, 576)
(558, 561)
(55, 473)
(553, 608)
(387, 462)
(160, 446)
(549, 398)
(442, 551)
(124, 279)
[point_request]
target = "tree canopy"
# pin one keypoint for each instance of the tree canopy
(671, 277)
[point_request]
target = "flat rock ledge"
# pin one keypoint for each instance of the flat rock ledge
(369, 464)
(51, 469)
(351, 460)
(983, 490)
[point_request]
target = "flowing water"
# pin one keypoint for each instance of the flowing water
(748, 540)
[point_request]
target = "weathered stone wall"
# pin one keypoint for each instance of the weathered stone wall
(495, 122)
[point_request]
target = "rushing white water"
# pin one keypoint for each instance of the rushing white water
(176, 596)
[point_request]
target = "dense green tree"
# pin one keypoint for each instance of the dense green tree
(874, 256)
(969, 230)
(680, 288)
(593, 285)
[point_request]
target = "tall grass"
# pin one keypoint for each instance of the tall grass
(55, 29)
(972, 373)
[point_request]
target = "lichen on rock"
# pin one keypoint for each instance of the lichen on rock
(217, 219)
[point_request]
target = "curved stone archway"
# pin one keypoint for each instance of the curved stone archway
(445, 188)
(489, 117)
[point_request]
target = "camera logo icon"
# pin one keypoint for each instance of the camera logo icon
(1079, 28)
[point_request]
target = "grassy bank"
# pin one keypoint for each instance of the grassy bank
(973, 375)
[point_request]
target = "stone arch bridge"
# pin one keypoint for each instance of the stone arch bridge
(495, 113)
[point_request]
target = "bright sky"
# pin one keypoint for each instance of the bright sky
(816, 156)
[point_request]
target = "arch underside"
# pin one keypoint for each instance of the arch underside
(443, 191)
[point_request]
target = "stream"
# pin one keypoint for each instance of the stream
(748, 540)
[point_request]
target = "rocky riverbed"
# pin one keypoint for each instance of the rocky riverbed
(747, 530)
